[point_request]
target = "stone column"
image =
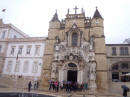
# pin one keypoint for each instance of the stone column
(64, 75)
(80, 77)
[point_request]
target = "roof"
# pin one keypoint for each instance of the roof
(28, 39)
(97, 14)
(55, 17)
(117, 44)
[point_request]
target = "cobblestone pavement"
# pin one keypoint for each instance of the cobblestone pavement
(62, 93)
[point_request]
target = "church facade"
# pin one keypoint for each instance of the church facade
(75, 50)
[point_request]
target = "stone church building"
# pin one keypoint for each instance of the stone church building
(75, 50)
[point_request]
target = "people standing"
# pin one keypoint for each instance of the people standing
(29, 86)
(37, 84)
(50, 84)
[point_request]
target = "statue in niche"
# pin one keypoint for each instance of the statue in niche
(54, 70)
(91, 56)
(56, 56)
(54, 66)
(93, 71)
(71, 57)
(92, 43)
(57, 39)
(63, 45)
(57, 48)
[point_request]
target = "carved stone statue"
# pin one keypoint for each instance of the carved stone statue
(92, 43)
(54, 67)
(53, 72)
(91, 56)
(93, 71)
(57, 47)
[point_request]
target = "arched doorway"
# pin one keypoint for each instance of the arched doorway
(72, 72)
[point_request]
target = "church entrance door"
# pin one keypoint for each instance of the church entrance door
(72, 76)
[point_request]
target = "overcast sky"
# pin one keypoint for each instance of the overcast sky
(33, 16)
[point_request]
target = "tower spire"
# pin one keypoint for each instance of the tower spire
(97, 14)
(68, 10)
(55, 17)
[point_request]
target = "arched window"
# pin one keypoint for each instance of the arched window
(74, 39)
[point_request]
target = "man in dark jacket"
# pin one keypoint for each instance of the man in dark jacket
(29, 86)
(125, 92)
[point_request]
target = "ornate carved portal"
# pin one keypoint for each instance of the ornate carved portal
(74, 63)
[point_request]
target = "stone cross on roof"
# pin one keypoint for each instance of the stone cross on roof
(75, 9)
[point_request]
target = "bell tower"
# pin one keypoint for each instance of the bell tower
(97, 30)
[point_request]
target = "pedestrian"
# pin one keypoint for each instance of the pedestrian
(85, 86)
(50, 84)
(125, 90)
(37, 84)
(125, 93)
(29, 86)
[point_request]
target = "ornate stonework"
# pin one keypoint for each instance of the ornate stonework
(76, 45)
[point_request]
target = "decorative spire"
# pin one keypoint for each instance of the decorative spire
(55, 17)
(97, 14)
(68, 10)
(82, 10)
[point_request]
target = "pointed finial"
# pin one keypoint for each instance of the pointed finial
(82, 10)
(55, 17)
(68, 10)
(56, 10)
(96, 7)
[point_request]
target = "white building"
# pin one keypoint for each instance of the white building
(7, 31)
(20, 54)
(24, 56)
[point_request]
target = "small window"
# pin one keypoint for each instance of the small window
(17, 67)
(115, 76)
(9, 67)
(20, 50)
(113, 51)
(124, 51)
(115, 67)
(12, 50)
(124, 65)
(37, 50)
(28, 49)
(3, 34)
(35, 67)
(26, 67)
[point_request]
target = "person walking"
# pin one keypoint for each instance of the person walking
(29, 86)
(125, 90)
